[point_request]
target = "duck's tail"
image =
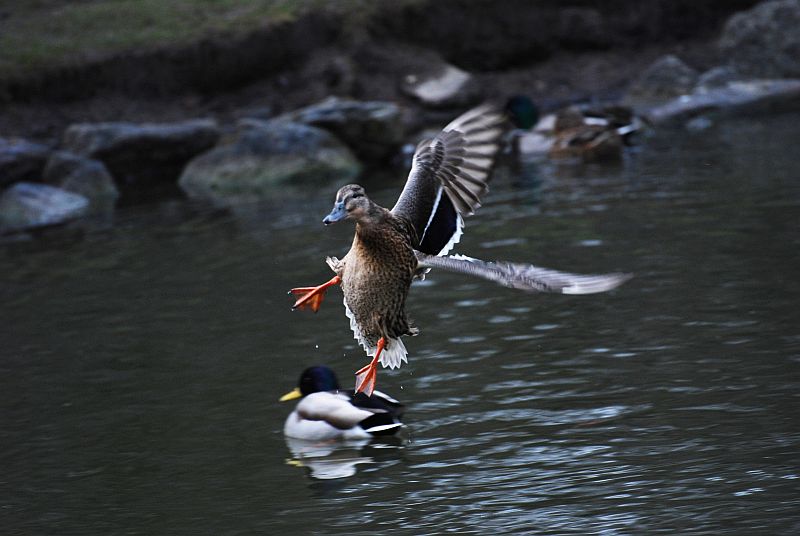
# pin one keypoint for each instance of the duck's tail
(394, 355)
(380, 424)
(525, 276)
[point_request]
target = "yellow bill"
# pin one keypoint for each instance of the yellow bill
(291, 395)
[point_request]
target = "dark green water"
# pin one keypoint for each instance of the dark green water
(140, 365)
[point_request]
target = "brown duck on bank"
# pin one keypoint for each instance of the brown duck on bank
(392, 247)
(587, 141)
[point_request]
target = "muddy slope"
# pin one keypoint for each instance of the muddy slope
(474, 34)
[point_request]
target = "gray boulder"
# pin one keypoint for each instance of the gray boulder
(372, 129)
(665, 78)
(84, 176)
(149, 152)
(764, 41)
(751, 96)
(715, 78)
(21, 160)
(27, 205)
(265, 155)
(442, 86)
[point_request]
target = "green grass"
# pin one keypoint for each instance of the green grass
(38, 35)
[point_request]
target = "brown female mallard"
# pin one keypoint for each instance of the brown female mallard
(392, 247)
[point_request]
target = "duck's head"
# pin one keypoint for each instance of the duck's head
(313, 380)
(351, 203)
(522, 111)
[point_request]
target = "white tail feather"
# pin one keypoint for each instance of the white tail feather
(394, 354)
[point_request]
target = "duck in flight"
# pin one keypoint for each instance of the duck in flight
(390, 248)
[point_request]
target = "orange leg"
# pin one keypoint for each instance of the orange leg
(366, 376)
(311, 297)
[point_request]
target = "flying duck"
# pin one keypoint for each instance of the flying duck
(390, 248)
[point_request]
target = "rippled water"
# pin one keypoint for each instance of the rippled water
(140, 365)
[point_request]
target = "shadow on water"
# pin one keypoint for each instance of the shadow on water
(141, 364)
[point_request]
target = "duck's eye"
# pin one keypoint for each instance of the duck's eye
(356, 196)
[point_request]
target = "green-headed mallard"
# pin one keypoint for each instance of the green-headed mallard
(589, 133)
(448, 176)
(325, 411)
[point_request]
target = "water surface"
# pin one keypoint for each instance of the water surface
(140, 365)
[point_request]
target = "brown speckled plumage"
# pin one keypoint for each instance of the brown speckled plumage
(376, 275)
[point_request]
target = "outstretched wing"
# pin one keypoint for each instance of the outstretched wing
(448, 178)
(525, 276)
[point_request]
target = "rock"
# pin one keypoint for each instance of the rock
(764, 41)
(142, 153)
(265, 155)
(699, 124)
(84, 176)
(372, 129)
(750, 95)
(21, 160)
(264, 113)
(27, 205)
(715, 78)
(665, 78)
(444, 86)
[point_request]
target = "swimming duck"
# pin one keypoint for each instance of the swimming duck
(588, 133)
(575, 137)
(532, 135)
(325, 411)
(390, 248)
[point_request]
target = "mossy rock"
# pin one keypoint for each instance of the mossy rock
(265, 156)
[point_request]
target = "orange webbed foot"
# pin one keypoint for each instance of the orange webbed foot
(367, 376)
(311, 297)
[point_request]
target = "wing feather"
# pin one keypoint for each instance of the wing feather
(525, 276)
(459, 160)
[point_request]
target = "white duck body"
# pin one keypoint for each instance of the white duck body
(332, 415)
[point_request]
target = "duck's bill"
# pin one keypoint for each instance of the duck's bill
(291, 395)
(337, 214)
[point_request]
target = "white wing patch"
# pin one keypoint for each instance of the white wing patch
(456, 238)
(433, 212)
(460, 257)
(394, 353)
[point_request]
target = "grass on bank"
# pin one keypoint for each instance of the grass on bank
(38, 35)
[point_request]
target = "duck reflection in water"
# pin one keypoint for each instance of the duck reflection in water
(332, 459)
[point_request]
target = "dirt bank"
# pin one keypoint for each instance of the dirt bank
(552, 50)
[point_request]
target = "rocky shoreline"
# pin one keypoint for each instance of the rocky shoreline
(329, 106)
